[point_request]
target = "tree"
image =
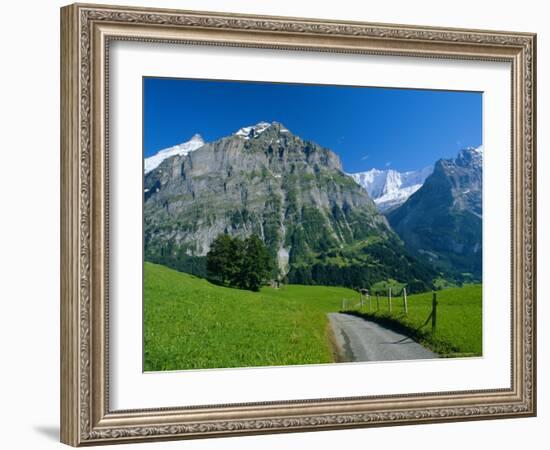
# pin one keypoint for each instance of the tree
(218, 259)
(235, 262)
(256, 267)
(245, 264)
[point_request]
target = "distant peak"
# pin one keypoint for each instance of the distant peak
(184, 148)
(471, 149)
(470, 156)
(252, 131)
(280, 126)
(196, 138)
(390, 188)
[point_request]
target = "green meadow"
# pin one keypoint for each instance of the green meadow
(190, 323)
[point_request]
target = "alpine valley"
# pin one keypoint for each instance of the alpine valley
(320, 225)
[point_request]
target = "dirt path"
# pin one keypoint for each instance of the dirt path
(362, 340)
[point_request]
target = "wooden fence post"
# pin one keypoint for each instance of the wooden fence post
(370, 301)
(389, 297)
(405, 306)
(434, 312)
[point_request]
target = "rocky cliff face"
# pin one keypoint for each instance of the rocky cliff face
(264, 180)
(442, 221)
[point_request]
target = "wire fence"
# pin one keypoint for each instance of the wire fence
(391, 303)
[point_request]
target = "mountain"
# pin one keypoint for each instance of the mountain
(389, 188)
(319, 225)
(191, 145)
(442, 221)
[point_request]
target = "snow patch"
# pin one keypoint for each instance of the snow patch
(252, 131)
(185, 148)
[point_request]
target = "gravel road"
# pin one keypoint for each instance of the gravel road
(362, 340)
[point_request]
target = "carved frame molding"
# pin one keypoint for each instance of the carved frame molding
(86, 31)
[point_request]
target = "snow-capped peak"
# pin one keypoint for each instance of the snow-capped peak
(196, 138)
(191, 145)
(470, 155)
(253, 130)
(475, 150)
(389, 188)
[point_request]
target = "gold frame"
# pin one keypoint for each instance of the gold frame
(86, 31)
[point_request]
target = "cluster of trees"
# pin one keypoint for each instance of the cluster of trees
(383, 287)
(243, 263)
(364, 266)
(352, 275)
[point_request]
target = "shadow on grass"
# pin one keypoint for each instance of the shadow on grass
(214, 281)
(418, 334)
(219, 283)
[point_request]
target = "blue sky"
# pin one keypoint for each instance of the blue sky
(402, 129)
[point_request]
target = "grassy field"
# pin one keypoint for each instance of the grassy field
(190, 323)
(459, 327)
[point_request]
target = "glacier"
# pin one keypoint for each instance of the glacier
(390, 188)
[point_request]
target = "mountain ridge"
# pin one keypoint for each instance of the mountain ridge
(319, 225)
(442, 221)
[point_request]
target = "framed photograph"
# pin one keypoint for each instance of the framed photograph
(276, 224)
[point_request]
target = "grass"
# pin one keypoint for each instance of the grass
(190, 323)
(459, 313)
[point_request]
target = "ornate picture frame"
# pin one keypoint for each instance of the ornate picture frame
(87, 32)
